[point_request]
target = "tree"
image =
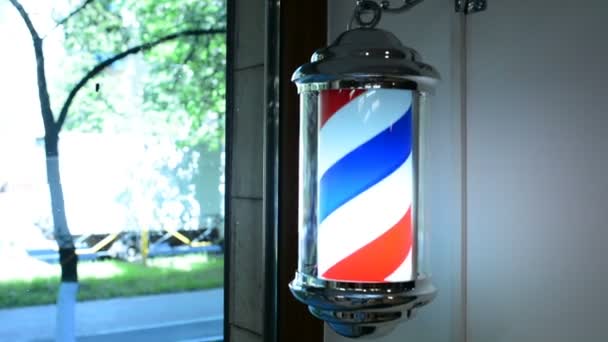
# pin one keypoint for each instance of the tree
(181, 70)
(96, 29)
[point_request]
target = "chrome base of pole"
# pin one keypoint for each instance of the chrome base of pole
(362, 309)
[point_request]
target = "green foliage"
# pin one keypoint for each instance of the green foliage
(163, 275)
(175, 89)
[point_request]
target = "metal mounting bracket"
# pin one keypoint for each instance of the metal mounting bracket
(367, 13)
(471, 6)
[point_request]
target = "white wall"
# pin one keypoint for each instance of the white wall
(537, 164)
(534, 161)
(431, 28)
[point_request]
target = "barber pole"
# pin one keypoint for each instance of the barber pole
(362, 235)
(365, 176)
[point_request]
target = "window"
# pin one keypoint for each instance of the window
(114, 152)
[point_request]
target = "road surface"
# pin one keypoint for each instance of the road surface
(183, 317)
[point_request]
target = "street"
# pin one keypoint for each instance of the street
(182, 317)
(196, 331)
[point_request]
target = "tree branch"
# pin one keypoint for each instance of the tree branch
(43, 95)
(186, 60)
(26, 19)
(66, 18)
(191, 52)
(74, 12)
(136, 49)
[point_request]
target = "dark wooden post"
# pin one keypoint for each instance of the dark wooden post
(303, 29)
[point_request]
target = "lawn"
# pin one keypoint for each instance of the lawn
(111, 278)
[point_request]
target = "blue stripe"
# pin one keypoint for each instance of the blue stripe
(366, 165)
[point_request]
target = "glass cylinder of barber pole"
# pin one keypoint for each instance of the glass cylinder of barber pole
(362, 254)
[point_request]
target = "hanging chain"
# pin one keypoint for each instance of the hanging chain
(406, 6)
(368, 13)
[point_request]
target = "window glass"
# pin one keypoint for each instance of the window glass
(112, 140)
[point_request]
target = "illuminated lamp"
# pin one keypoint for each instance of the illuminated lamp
(362, 264)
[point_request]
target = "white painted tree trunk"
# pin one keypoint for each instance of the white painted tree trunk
(66, 312)
(65, 330)
(60, 224)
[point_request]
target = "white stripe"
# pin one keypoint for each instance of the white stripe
(404, 272)
(365, 218)
(358, 121)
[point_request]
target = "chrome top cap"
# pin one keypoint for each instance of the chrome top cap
(367, 56)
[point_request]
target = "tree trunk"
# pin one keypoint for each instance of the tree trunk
(68, 289)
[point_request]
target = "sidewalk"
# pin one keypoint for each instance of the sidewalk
(120, 316)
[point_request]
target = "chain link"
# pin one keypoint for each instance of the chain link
(406, 6)
(365, 8)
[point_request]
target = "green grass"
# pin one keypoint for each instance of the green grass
(110, 279)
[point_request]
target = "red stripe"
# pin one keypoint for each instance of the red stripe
(334, 99)
(380, 258)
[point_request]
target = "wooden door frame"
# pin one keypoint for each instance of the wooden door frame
(295, 29)
(228, 139)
